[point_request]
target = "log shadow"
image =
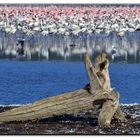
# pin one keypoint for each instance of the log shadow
(71, 119)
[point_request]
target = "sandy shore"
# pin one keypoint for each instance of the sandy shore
(82, 123)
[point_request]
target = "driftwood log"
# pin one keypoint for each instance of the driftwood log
(97, 93)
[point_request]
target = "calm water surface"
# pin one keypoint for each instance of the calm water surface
(24, 82)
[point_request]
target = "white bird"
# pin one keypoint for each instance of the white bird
(89, 31)
(52, 30)
(13, 29)
(45, 32)
(98, 31)
(36, 23)
(61, 30)
(131, 29)
(36, 28)
(67, 33)
(121, 33)
(8, 29)
(1, 23)
(30, 24)
(76, 31)
(83, 29)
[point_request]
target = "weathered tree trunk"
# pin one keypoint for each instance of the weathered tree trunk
(73, 102)
(110, 101)
(94, 81)
(108, 110)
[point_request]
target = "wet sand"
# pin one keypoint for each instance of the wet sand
(82, 123)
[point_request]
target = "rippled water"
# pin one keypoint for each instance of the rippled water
(23, 82)
(60, 47)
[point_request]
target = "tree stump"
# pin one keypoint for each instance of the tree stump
(99, 78)
(97, 93)
(108, 110)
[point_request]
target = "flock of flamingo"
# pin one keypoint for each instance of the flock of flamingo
(65, 20)
(68, 31)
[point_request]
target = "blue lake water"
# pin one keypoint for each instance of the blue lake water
(24, 82)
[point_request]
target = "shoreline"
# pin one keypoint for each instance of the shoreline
(82, 123)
